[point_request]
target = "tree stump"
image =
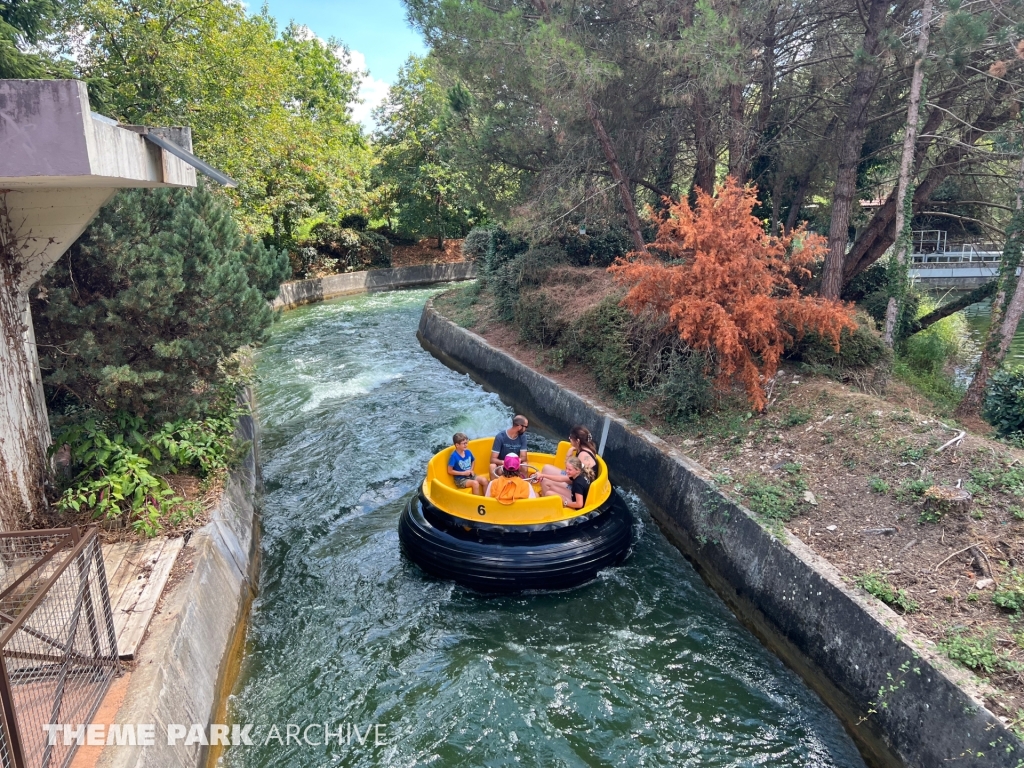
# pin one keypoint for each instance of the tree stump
(941, 501)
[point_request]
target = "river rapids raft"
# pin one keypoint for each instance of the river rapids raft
(531, 544)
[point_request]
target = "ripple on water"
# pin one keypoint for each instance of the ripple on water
(644, 666)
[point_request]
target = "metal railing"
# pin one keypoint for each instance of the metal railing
(58, 650)
(960, 253)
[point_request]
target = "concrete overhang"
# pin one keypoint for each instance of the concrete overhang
(50, 138)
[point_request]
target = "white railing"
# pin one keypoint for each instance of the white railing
(961, 253)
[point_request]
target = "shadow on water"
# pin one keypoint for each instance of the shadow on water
(644, 666)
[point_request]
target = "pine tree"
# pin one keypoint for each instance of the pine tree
(141, 309)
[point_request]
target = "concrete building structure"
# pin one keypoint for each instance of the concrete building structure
(59, 163)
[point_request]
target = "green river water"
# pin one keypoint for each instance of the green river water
(643, 667)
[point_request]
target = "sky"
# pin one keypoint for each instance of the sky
(375, 31)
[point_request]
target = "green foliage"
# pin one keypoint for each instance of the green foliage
(23, 24)
(1009, 480)
(427, 181)
(1004, 401)
(538, 320)
(877, 302)
(924, 359)
(116, 460)
(686, 390)
(269, 109)
(332, 249)
(476, 243)
(139, 313)
(795, 417)
(878, 485)
(600, 339)
(877, 585)
(598, 247)
(1010, 593)
(977, 653)
(857, 349)
(912, 490)
(504, 271)
(774, 501)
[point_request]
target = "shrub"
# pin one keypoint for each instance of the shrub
(523, 268)
(600, 339)
(356, 221)
(733, 289)
(115, 461)
(339, 249)
(502, 248)
(599, 247)
(876, 304)
(1010, 594)
(475, 244)
(394, 237)
(538, 320)
(860, 347)
(686, 390)
(1004, 402)
(877, 585)
(874, 278)
(143, 307)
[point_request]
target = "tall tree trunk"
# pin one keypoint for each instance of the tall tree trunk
(1005, 316)
(849, 151)
(737, 135)
(704, 141)
(632, 220)
(667, 160)
(797, 202)
(903, 242)
(440, 224)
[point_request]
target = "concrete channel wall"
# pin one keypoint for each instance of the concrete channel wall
(186, 667)
(300, 292)
(847, 647)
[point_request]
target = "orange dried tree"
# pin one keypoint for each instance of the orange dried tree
(732, 287)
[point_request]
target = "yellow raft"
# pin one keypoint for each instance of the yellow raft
(530, 544)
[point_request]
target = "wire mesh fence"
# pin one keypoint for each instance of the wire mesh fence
(58, 651)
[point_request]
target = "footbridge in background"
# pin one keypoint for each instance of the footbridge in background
(959, 266)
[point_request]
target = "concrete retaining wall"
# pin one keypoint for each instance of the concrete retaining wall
(187, 664)
(844, 645)
(301, 292)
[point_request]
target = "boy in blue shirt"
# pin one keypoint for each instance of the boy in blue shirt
(460, 466)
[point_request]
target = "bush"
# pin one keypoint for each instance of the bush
(600, 339)
(1010, 594)
(1004, 402)
(502, 248)
(143, 307)
(395, 238)
(513, 269)
(877, 303)
(686, 390)
(860, 348)
(476, 243)
(599, 247)
(339, 249)
(538, 320)
(874, 278)
(356, 221)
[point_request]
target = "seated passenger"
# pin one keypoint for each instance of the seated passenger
(510, 486)
(582, 447)
(574, 490)
(460, 466)
(509, 441)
